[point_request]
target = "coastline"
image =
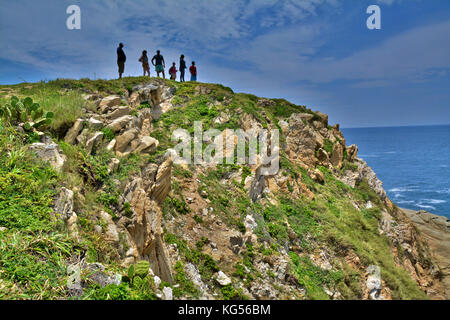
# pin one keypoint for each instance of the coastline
(435, 232)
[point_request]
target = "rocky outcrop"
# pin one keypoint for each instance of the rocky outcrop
(435, 231)
(144, 195)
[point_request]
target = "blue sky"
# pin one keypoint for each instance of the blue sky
(317, 53)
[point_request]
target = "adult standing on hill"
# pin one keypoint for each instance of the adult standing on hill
(121, 58)
(182, 68)
(193, 70)
(158, 62)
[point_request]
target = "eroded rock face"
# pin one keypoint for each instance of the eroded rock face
(145, 195)
(435, 231)
(363, 171)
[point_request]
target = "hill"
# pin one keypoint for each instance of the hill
(92, 205)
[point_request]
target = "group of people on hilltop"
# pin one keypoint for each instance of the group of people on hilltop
(159, 63)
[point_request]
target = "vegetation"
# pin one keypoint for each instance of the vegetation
(35, 249)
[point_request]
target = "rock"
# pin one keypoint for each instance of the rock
(373, 283)
(337, 155)
(369, 205)
(94, 141)
(167, 293)
(118, 113)
(250, 223)
(50, 152)
(111, 145)
(147, 145)
(73, 132)
(318, 176)
(123, 141)
(161, 186)
(111, 234)
(435, 232)
(72, 225)
(323, 117)
(322, 156)
(157, 281)
(114, 165)
(95, 124)
(352, 152)
(63, 208)
(107, 103)
(149, 92)
(223, 279)
(120, 123)
(265, 103)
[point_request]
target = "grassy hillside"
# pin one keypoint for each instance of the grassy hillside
(36, 249)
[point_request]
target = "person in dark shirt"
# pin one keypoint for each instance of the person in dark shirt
(182, 68)
(193, 70)
(158, 62)
(121, 58)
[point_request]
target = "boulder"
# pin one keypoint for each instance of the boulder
(73, 132)
(63, 208)
(120, 123)
(109, 102)
(119, 112)
(147, 145)
(94, 141)
(95, 124)
(50, 152)
(123, 141)
(223, 279)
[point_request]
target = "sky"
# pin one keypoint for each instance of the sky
(317, 53)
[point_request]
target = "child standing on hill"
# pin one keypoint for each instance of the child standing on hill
(173, 72)
(193, 70)
(144, 60)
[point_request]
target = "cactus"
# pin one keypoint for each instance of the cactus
(141, 268)
(27, 112)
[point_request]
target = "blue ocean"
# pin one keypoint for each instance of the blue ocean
(412, 162)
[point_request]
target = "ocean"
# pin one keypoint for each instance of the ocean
(412, 162)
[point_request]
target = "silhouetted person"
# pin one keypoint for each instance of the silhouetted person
(193, 70)
(121, 58)
(182, 68)
(144, 60)
(173, 72)
(158, 62)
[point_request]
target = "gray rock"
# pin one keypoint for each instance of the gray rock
(167, 293)
(223, 279)
(50, 152)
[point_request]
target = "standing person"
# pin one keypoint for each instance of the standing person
(173, 72)
(193, 70)
(121, 58)
(144, 60)
(182, 68)
(159, 63)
